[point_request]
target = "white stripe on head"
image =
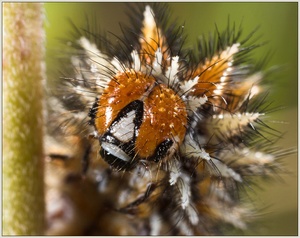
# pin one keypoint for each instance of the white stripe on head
(123, 130)
(115, 151)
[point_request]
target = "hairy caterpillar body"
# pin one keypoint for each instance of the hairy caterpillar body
(147, 137)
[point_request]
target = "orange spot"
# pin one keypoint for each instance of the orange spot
(151, 40)
(152, 131)
(209, 76)
(123, 89)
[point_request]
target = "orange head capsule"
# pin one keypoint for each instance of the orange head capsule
(137, 118)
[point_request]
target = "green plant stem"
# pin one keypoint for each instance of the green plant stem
(23, 76)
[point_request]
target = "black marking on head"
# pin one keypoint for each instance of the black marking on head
(162, 150)
(115, 161)
(138, 107)
(124, 147)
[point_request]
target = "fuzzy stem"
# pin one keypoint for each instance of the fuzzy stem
(23, 76)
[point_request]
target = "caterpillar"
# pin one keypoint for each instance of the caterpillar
(148, 137)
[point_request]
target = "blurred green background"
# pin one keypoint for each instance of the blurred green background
(278, 23)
